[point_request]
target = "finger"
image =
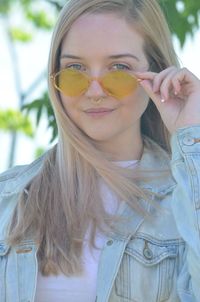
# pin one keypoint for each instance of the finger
(184, 75)
(146, 81)
(181, 79)
(160, 77)
(176, 85)
(148, 75)
(148, 87)
(166, 86)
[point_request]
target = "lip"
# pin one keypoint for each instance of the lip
(98, 112)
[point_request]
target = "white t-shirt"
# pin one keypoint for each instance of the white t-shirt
(81, 288)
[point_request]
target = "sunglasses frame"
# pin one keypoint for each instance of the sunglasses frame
(90, 79)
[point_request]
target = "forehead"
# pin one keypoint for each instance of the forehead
(102, 33)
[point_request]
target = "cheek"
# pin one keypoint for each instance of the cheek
(143, 99)
(138, 102)
(69, 105)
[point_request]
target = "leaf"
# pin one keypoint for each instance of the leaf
(41, 107)
(14, 121)
(179, 15)
(38, 115)
(5, 6)
(40, 19)
(39, 151)
(17, 34)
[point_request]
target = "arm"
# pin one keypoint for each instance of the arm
(176, 94)
(185, 145)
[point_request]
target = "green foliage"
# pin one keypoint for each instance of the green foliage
(14, 121)
(5, 6)
(42, 106)
(39, 151)
(35, 14)
(40, 19)
(18, 34)
(182, 16)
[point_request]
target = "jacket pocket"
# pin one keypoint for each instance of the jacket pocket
(18, 271)
(147, 269)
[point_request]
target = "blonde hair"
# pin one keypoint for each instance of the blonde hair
(64, 198)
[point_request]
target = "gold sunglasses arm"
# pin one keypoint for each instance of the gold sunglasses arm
(53, 77)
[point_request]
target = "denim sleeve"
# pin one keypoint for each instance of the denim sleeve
(185, 165)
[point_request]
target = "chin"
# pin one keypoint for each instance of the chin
(99, 137)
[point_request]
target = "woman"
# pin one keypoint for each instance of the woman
(100, 216)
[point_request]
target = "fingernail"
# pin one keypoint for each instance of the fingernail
(162, 100)
(139, 80)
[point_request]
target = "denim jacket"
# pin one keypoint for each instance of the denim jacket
(146, 259)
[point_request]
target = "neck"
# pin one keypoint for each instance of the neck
(123, 148)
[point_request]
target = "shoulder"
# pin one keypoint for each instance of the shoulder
(10, 175)
(12, 183)
(15, 179)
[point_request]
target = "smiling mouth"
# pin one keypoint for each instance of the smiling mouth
(98, 112)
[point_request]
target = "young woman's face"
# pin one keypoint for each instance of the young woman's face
(97, 44)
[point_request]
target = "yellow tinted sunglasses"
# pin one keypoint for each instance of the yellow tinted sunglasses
(73, 83)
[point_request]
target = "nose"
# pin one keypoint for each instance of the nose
(95, 90)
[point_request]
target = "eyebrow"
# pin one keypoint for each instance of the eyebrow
(124, 55)
(119, 56)
(66, 56)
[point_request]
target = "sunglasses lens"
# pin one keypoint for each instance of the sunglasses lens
(119, 83)
(71, 82)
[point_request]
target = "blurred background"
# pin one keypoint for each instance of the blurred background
(27, 123)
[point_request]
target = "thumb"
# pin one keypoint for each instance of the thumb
(148, 87)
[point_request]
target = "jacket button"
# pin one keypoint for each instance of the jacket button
(148, 254)
(109, 242)
(2, 249)
(188, 141)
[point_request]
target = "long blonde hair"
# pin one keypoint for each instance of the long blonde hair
(64, 198)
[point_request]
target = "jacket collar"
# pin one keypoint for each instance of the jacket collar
(17, 178)
(156, 160)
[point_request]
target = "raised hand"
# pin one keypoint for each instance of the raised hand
(176, 93)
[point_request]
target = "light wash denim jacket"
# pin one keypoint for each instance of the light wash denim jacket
(146, 260)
